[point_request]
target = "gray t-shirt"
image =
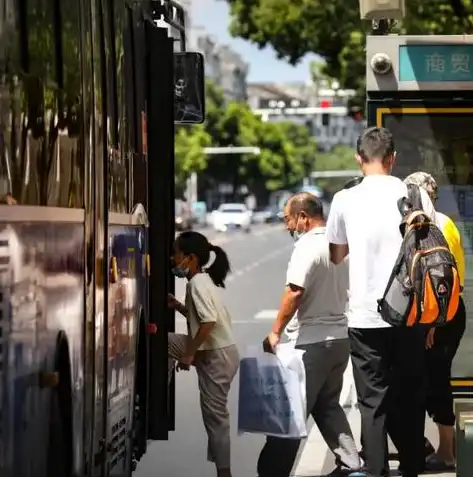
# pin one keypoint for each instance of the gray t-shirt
(321, 314)
(204, 304)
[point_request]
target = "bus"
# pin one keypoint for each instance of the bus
(86, 230)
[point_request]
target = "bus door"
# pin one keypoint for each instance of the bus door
(421, 89)
(174, 95)
(159, 81)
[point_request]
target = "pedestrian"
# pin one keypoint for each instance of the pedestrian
(442, 345)
(209, 344)
(364, 222)
(317, 291)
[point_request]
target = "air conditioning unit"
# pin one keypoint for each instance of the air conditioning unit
(382, 9)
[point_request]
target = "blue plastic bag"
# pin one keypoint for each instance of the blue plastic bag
(272, 398)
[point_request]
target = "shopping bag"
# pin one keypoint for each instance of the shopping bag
(272, 394)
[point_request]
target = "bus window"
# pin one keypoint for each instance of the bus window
(39, 158)
(117, 146)
(124, 112)
(69, 166)
(135, 78)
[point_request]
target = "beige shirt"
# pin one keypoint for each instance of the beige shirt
(204, 304)
(321, 313)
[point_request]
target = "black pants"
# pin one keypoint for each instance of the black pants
(439, 359)
(388, 368)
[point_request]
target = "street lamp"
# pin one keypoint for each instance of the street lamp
(232, 150)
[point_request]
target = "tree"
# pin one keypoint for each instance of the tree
(189, 152)
(287, 150)
(333, 29)
(340, 158)
(230, 124)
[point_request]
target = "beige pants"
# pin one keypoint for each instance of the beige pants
(215, 370)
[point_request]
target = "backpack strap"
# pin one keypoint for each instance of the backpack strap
(414, 215)
(413, 194)
(412, 202)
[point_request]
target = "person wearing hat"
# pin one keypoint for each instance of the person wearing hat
(442, 344)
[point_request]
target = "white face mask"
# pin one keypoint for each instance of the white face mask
(295, 234)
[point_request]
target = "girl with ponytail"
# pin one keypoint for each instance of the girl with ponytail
(209, 344)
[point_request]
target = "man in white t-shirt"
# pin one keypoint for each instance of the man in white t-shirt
(317, 291)
(364, 222)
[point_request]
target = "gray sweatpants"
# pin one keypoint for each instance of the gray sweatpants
(325, 364)
(215, 370)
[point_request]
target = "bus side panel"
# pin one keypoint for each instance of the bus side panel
(42, 298)
(127, 271)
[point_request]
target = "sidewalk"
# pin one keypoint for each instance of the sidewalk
(315, 459)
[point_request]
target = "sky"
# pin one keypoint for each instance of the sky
(213, 16)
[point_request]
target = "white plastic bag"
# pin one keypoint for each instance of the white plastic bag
(272, 395)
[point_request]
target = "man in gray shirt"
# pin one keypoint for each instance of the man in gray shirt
(317, 291)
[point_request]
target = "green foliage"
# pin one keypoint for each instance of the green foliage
(333, 29)
(190, 157)
(340, 158)
(287, 150)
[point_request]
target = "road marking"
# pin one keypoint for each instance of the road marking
(257, 263)
(266, 315)
(260, 234)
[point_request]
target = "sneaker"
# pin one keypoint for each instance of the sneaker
(340, 472)
(434, 463)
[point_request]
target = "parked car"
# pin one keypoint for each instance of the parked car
(272, 214)
(229, 216)
(183, 215)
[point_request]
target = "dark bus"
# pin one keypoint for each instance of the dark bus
(86, 229)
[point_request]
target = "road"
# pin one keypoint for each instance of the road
(259, 261)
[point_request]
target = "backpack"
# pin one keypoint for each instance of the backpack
(424, 286)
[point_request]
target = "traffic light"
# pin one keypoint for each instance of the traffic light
(356, 108)
(310, 127)
(355, 113)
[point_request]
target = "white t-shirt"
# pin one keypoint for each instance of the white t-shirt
(321, 314)
(204, 304)
(367, 218)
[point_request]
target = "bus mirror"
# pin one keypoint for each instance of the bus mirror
(189, 88)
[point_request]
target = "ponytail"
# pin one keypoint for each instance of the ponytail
(195, 243)
(220, 267)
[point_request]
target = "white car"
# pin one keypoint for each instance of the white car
(231, 216)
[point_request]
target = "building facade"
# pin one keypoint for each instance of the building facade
(321, 108)
(223, 65)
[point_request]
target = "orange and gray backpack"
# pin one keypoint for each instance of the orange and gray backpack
(424, 286)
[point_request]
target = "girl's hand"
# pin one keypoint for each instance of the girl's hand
(172, 301)
(182, 367)
(187, 360)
